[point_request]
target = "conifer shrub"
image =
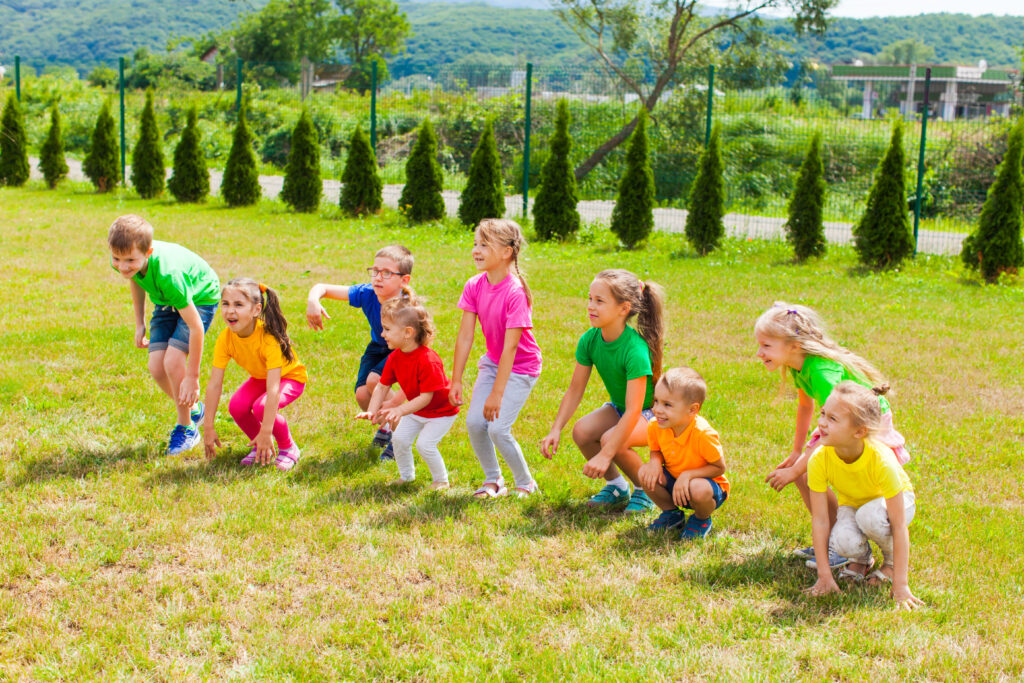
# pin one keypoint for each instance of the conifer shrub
(302, 186)
(805, 228)
(241, 183)
(883, 236)
(190, 181)
(484, 196)
(554, 210)
(102, 164)
(995, 247)
(148, 171)
(706, 208)
(14, 169)
(633, 215)
(421, 198)
(51, 156)
(361, 191)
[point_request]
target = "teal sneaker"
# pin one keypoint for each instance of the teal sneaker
(609, 496)
(182, 439)
(639, 503)
(197, 414)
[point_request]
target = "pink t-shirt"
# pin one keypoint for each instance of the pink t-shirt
(501, 307)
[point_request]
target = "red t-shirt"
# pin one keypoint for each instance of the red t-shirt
(418, 372)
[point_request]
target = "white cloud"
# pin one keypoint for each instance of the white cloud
(897, 8)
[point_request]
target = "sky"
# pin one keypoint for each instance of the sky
(891, 8)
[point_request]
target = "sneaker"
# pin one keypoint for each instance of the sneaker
(287, 458)
(388, 453)
(805, 553)
(197, 414)
(250, 459)
(695, 528)
(609, 496)
(639, 502)
(669, 519)
(382, 438)
(182, 439)
(835, 560)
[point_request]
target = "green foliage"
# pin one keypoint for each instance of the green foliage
(51, 155)
(103, 77)
(906, 51)
(14, 169)
(241, 183)
(633, 215)
(190, 180)
(996, 245)
(361, 184)
(148, 171)
(367, 31)
(421, 198)
(805, 228)
(302, 184)
(102, 164)
(883, 236)
(484, 196)
(177, 69)
(554, 210)
(704, 227)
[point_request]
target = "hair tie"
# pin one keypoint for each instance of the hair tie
(263, 288)
(642, 286)
(791, 311)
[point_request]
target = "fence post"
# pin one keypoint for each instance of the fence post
(120, 70)
(920, 156)
(238, 84)
(526, 139)
(17, 77)
(711, 99)
(373, 106)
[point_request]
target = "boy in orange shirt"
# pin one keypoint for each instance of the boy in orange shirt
(686, 468)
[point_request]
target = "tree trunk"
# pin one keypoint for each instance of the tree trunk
(601, 152)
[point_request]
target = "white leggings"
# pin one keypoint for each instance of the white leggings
(430, 431)
(855, 526)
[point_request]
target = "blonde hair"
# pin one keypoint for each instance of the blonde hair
(800, 325)
(128, 232)
(407, 311)
(646, 303)
(399, 254)
(685, 382)
(506, 233)
(862, 403)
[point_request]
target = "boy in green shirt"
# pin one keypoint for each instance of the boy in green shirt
(185, 291)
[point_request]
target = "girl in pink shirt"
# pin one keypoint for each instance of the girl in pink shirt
(499, 298)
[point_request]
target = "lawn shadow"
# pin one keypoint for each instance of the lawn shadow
(541, 520)
(75, 465)
(224, 468)
(342, 462)
(424, 506)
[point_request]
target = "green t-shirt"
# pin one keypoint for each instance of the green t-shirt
(819, 376)
(617, 362)
(177, 277)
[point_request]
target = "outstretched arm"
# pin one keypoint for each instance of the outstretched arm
(214, 388)
(188, 394)
(463, 343)
(315, 313)
(901, 554)
(139, 308)
(570, 402)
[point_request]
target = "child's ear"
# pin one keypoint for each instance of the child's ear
(861, 432)
(406, 278)
(694, 408)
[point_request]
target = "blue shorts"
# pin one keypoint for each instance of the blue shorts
(647, 413)
(167, 328)
(372, 361)
(716, 489)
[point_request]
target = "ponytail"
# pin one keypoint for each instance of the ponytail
(646, 301)
(274, 321)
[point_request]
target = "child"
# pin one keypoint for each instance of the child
(184, 291)
(629, 363)
(418, 370)
(257, 338)
(500, 299)
(391, 271)
(793, 337)
(686, 468)
(876, 499)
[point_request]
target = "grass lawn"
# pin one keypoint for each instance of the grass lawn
(119, 562)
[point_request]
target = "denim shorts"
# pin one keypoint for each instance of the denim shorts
(646, 412)
(716, 489)
(167, 328)
(373, 360)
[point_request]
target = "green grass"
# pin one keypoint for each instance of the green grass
(119, 562)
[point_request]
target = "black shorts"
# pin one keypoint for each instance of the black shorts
(373, 360)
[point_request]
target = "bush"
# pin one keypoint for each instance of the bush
(805, 229)
(241, 183)
(51, 155)
(883, 237)
(102, 163)
(148, 171)
(421, 197)
(484, 196)
(103, 77)
(302, 185)
(361, 184)
(704, 227)
(190, 181)
(633, 215)
(996, 247)
(14, 169)
(554, 211)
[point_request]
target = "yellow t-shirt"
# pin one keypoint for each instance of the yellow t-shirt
(697, 446)
(257, 353)
(875, 474)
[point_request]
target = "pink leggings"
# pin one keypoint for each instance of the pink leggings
(247, 405)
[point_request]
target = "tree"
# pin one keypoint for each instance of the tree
(102, 162)
(554, 211)
(633, 215)
(995, 247)
(190, 181)
(51, 156)
(805, 229)
(148, 171)
(421, 197)
(883, 238)
(906, 51)
(241, 183)
(14, 169)
(302, 184)
(369, 31)
(484, 196)
(704, 227)
(361, 190)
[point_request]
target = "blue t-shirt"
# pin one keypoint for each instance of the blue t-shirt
(363, 296)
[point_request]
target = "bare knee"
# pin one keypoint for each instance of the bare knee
(363, 394)
(156, 366)
(700, 491)
(582, 435)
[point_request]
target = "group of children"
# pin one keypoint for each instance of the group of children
(849, 472)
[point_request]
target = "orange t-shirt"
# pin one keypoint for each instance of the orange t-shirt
(697, 446)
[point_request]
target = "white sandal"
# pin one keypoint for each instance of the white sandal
(485, 491)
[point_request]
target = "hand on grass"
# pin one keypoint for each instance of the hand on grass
(315, 314)
(211, 442)
(905, 599)
(549, 444)
(140, 337)
(264, 445)
(823, 587)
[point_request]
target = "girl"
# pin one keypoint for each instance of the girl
(257, 338)
(418, 370)
(500, 299)
(629, 363)
(876, 499)
(793, 337)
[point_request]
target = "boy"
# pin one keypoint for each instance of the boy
(686, 468)
(392, 270)
(185, 291)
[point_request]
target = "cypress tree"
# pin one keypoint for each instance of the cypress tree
(302, 185)
(14, 169)
(554, 211)
(102, 164)
(421, 197)
(704, 227)
(883, 236)
(633, 215)
(995, 247)
(190, 181)
(241, 183)
(148, 172)
(484, 196)
(51, 155)
(361, 185)
(805, 229)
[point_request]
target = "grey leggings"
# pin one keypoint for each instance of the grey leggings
(855, 526)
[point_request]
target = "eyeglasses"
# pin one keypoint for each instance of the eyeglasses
(384, 274)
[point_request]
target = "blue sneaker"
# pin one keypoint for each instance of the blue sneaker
(382, 438)
(639, 503)
(182, 439)
(835, 560)
(609, 496)
(388, 453)
(669, 519)
(695, 528)
(197, 414)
